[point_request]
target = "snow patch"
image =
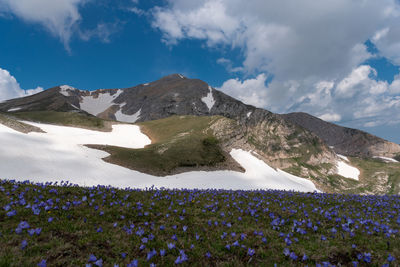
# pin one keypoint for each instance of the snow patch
(347, 171)
(258, 172)
(249, 114)
(145, 84)
(97, 105)
(209, 99)
(64, 89)
(14, 109)
(72, 105)
(386, 159)
(181, 76)
(127, 118)
(343, 157)
(59, 155)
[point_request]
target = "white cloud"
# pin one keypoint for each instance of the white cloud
(250, 91)
(59, 17)
(227, 63)
(332, 117)
(137, 11)
(360, 80)
(103, 31)
(394, 87)
(293, 41)
(207, 20)
(10, 88)
(312, 49)
(358, 97)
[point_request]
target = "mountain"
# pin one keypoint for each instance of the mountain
(343, 140)
(297, 143)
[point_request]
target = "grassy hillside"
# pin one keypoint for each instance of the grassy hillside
(74, 119)
(73, 226)
(178, 143)
(377, 176)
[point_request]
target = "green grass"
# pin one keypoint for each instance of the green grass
(62, 118)
(376, 177)
(370, 172)
(78, 213)
(165, 130)
(177, 142)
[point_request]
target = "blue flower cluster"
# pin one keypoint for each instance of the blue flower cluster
(63, 224)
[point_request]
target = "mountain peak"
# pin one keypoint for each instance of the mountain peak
(173, 77)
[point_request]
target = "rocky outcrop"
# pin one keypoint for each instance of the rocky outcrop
(343, 140)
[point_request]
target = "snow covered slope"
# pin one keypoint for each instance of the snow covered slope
(102, 101)
(59, 155)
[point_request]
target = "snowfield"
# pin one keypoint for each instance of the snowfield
(343, 157)
(59, 155)
(127, 118)
(97, 105)
(209, 99)
(347, 171)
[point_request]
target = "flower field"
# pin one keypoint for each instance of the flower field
(66, 225)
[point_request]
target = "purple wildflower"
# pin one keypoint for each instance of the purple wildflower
(99, 263)
(162, 252)
(250, 252)
(42, 263)
(286, 252)
(293, 256)
(24, 244)
(92, 258)
(12, 213)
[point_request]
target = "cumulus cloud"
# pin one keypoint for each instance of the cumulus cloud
(10, 88)
(360, 79)
(300, 39)
(332, 117)
(358, 97)
(59, 17)
(314, 50)
(250, 91)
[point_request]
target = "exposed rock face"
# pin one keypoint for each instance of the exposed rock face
(345, 141)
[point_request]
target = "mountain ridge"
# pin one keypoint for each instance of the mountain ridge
(278, 139)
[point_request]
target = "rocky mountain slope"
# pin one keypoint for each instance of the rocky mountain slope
(279, 142)
(343, 140)
(298, 143)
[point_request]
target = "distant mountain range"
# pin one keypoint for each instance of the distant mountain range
(298, 143)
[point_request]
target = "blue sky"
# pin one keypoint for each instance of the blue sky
(338, 60)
